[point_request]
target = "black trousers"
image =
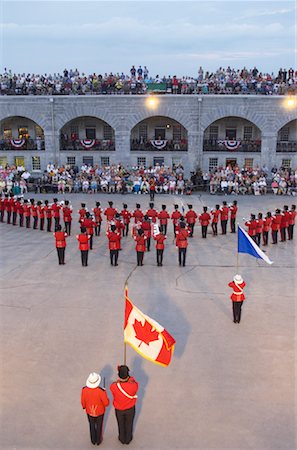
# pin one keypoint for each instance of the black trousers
(14, 217)
(68, 228)
(35, 223)
(224, 226)
(96, 425)
(182, 256)
(61, 255)
(283, 234)
(91, 242)
(49, 224)
(214, 227)
(254, 238)
(84, 257)
(97, 228)
(237, 311)
(265, 237)
(160, 257)
(8, 216)
(57, 222)
(274, 236)
(125, 420)
(114, 254)
(126, 231)
(163, 228)
(21, 222)
(152, 195)
(2, 216)
(191, 227)
(232, 224)
(41, 224)
(28, 221)
(258, 239)
(204, 230)
(148, 244)
(290, 232)
(140, 258)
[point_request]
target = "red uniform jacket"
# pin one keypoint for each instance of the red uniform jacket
(276, 221)
(285, 219)
(163, 216)
(60, 239)
(182, 238)
(267, 223)
(94, 401)
(237, 294)
(120, 400)
(175, 216)
(191, 216)
(160, 238)
(48, 211)
(67, 214)
(292, 217)
(41, 212)
(89, 225)
(224, 211)
(140, 243)
(27, 210)
(252, 227)
(114, 240)
(33, 210)
(14, 206)
(97, 213)
(83, 240)
(20, 208)
(2, 204)
(138, 215)
(126, 215)
(56, 210)
(204, 219)
(233, 211)
(110, 213)
(147, 228)
(152, 214)
(82, 214)
(259, 226)
(215, 215)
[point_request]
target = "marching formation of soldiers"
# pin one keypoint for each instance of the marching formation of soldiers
(145, 225)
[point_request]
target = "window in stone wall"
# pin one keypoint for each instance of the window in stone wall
(36, 163)
(230, 134)
(286, 163)
(3, 161)
(142, 132)
(249, 162)
(212, 163)
(7, 133)
(284, 134)
(90, 133)
(71, 160)
(38, 131)
(177, 132)
(107, 132)
(105, 161)
(88, 160)
(214, 132)
(248, 133)
(141, 161)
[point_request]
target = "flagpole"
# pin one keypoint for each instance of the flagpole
(237, 258)
(125, 345)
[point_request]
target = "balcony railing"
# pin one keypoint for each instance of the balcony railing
(21, 144)
(159, 146)
(78, 145)
(234, 146)
(286, 147)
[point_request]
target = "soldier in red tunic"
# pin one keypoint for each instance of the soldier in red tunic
(137, 214)
(21, 213)
(110, 212)
(252, 227)
(8, 207)
(60, 237)
(98, 218)
(152, 213)
(237, 297)
(191, 217)
(82, 212)
(34, 213)
(83, 240)
(163, 217)
(67, 217)
(48, 214)
(182, 235)
(275, 225)
(233, 212)
(113, 237)
(284, 223)
(292, 218)
(266, 227)
(140, 239)
(27, 213)
(14, 208)
(41, 214)
(147, 228)
(56, 212)
(120, 227)
(215, 218)
(160, 238)
(175, 216)
(89, 224)
(204, 219)
(126, 215)
(224, 212)
(259, 228)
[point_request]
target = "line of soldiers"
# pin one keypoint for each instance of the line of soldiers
(281, 221)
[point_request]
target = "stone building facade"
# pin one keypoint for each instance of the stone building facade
(196, 131)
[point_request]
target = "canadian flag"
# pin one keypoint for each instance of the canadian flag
(147, 336)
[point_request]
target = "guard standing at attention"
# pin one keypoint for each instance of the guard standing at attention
(275, 225)
(124, 392)
(191, 217)
(233, 212)
(94, 400)
(110, 212)
(60, 237)
(126, 215)
(98, 218)
(224, 212)
(204, 219)
(252, 226)
(27, 213)
(14, 211)
(41, 214)
(292, 218)
(284, 223)
(137, 214)
(215, 218)
(237, 297)
(140, 239)
(152, 213)
(83, 240)
(266, 227)
(182, 243)
(67, 217)
(175, 216)
(82, 212)
(160, 238)
(259, 229)
(163, 217)
(48, 213)
(34, 213)
(147, 228)
(89, 224)
(113, 244)
(56, 212)
(21, 213)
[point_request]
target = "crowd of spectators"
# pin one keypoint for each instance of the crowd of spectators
(138, 180)
(138, 81)
(257, 181)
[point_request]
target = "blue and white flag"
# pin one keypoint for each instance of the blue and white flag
(245, 244)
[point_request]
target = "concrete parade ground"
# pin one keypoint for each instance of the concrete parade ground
(229, 386)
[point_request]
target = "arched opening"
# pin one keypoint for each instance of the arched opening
(20, 133)
(87, 133)
(287, 138)
(160, 134)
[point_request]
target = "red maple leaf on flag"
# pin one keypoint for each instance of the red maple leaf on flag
(145, 333)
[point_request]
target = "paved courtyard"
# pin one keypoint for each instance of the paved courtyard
(228, 386)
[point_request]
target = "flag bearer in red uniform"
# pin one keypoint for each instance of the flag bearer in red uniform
(83, 246)
(110, 212)
(126, 215)
(204, 219)
(98, 218)
(114, 244)
(137, 214)
(233, 212)
(89, 224)
(284, 223)
(259, 228)
(56, 212)
(152, 213)
(275, 225)
(124, 392)
(215, 218)
(94, 400)
(266, 227)
(27, 213)
(41, 215)
(182, 243)
(224, 217)
(48, 214)
(160, 238)
(292, 218)
(140, 239)
(175, 216)
(191, 217)
(67, 217)
(252, 227)
(237, 296)
(163, 217)
(60, 237)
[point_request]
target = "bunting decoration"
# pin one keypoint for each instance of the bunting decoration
(159, 144)
(230, 145)
(88, 143)
(17, 143)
